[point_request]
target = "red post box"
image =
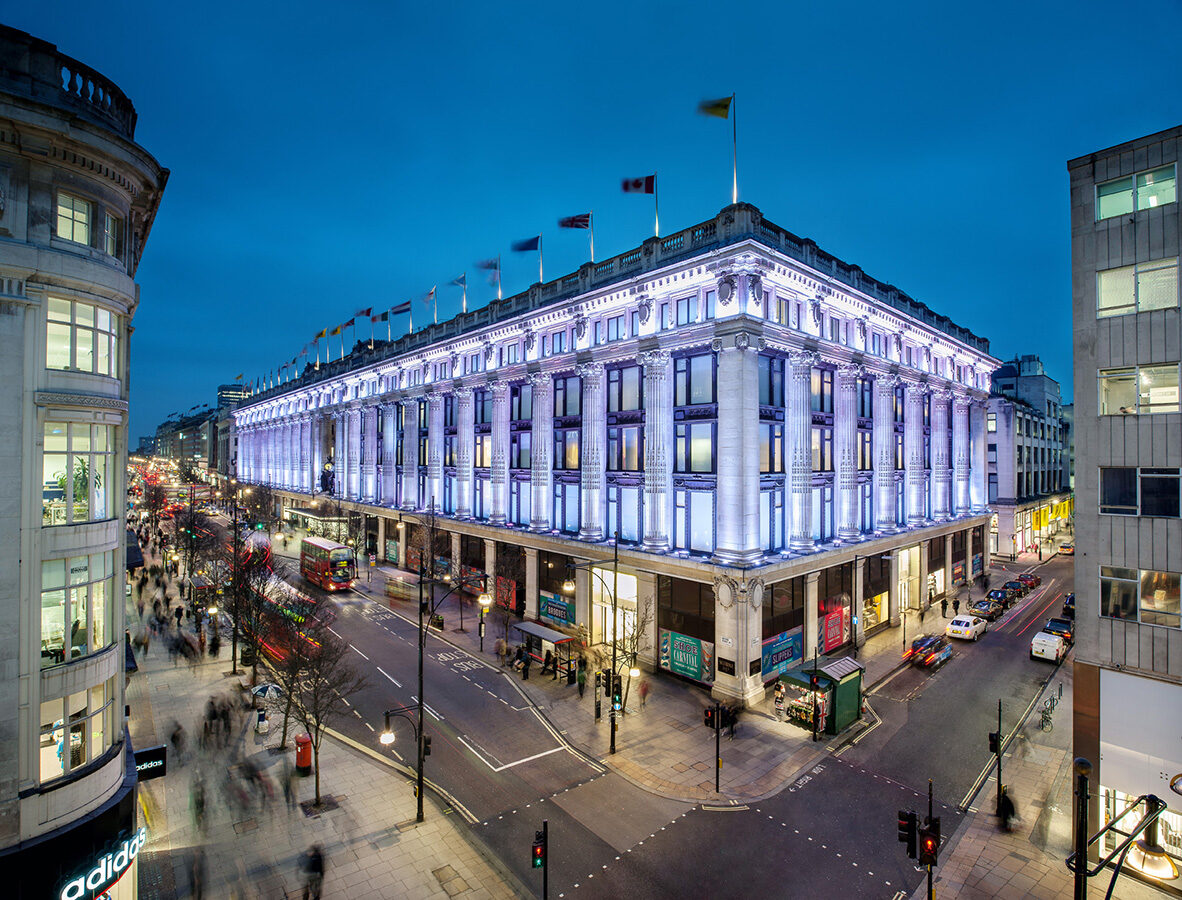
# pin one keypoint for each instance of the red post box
(303, 744)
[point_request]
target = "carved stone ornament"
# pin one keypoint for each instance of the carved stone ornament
(657, 359)
(529, 339)
(645, 308)
(726, 599)
(487, 348)
(726, 290)
(742, 340)
(862, 324)
(716, 344)
(580, 326)
(815, 306)
(755, 289)
(897, 344)
(454, 360)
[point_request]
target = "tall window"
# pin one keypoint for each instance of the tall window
(693, 520)
(73, 218)
(77, 601)
(1145, 596)
(1132, 193)
(521, 406)
(693, 447)
(822, 448)
(81, 337)
(1128, 491)
(77, 468)
(482, 404)
(567, 397)
(771, 448)
(615, 328)
(693, 380)
(624, 448)
(1139, 390)
(822, 390)
(771, 381)
(623, 510)
(76, 730)
(687, 310)
(112, 235)
(1139, 288)
(623, 389)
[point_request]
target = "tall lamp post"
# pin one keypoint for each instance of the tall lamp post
(426, 609)
(569, 586)
(235, 578)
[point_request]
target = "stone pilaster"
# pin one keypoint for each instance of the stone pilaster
(354, 423)
(465, 444)
(799, 450)
(542, 438)
(658, 438)
(498, 470)
(435, 449)
(592, 459)
(941, 473)
(884, 452)
(913, 469)
(736, 513)
(389, 463)
(738, 604)
(845, 438)
(978, 467)
(410, 454)
(960, 454)
(369, 463)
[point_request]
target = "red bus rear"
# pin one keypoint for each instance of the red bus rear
(327, 564)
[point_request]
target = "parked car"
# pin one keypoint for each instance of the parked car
(1045, 645)
(1062, 627)
(1030, 580)
(1004, 597)
(989, 610)
(1067, 549)
(1019, 589)
(1069, 607)
(968, 628)
(929, 651)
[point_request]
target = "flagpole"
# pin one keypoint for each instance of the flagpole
(498, 276)
(656, 209)
(734, 150)
(387, 325)
(371, 331)
(435, 302)
(464, 301)
(410, 319)
(591, 225)
(540, 279)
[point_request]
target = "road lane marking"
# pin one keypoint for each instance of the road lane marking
(427, 708)
(363, 656)
(388, 675)
(529, 759)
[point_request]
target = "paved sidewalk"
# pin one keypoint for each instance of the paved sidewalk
(250, 848)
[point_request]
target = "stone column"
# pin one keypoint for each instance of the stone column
(884, 452)
(811, 615)
(490, 566)
(859, 602)
(498, 474)
(435, 449)
(542, 431)
(381, 538)
(845, 438)
(531, 583)
(354, 420)
(291, 445)
(658, 438)
(978, 468)
(592, 458)
(894, 601)
(941, 474)
(389, 465)
(737, 637)
(798, 417)
(316, 449)
(341, 450)
(736, 512)
(960, 454)
(913, 472)
(369, 466)
(410, 454)
(465, 441)
(948, 590)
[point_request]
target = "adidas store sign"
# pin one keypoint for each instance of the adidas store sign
(107, 869)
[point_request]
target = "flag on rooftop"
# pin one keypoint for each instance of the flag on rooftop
(322, 333)
(399, 308)
(491, 264)
(462, 281)
(720, 107)
(526, 245)
(239, 376)
(583, 220)
(335, 331)
(644, 185)
(428, 297)
(384, 317)
(368, 311)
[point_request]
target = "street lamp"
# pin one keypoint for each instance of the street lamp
(426, 607)
(568, 586)
(485, 602)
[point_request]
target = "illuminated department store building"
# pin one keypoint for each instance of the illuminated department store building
(786, 447)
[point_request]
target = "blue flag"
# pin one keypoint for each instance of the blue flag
(527, 244)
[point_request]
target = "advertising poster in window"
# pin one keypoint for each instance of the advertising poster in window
(958, 573)
(835, 629)
(684, 655)
(556, 607)
(392, 552)
(472, 578)
(782, 652)
(414, 558)
(978, 564)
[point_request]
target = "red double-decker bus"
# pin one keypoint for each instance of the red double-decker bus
(327, 564)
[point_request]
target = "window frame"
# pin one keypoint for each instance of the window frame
(1103, 375)
(1136, 270)
(1134, 191)
(85, 321)
(76, 204)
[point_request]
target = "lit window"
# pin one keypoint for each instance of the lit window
(1150, 597)
(73, 218)
(77, 602)
(91, 730)
(615, 328)
(1138, 288)
(1146, 190)
(991, 421)
(1139, 390)
(77, 468)
(81, 337)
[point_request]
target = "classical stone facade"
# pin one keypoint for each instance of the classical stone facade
(77, 200)
(745, 411)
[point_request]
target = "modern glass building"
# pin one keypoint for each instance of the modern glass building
(77, 201)
(789, 450)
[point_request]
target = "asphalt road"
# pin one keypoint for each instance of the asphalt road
(935, 724)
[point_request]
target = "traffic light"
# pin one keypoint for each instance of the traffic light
(617, 691)
(708, 717)
(426, 745)
(815, 681)
(993, 741)
(908, 830)
(539, 851)
(929, 842)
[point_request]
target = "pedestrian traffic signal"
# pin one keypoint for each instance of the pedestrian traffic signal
(539, 850)
(929, 843)
(994, 741)
(908, 830)
(708, 717)
(426, 745)
(617, 692)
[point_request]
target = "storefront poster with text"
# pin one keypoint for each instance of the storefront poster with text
(556, 607)
(782, 652)
(684, 655)
(835, 629)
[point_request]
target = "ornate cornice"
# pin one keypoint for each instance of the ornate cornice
(85, 401)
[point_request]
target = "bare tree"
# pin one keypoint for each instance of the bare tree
(633, 640)
(259, 507)
(155, 499)
(326, 677)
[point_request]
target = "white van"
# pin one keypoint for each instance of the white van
(1045, 645)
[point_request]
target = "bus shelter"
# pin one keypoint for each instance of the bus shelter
(538, 639)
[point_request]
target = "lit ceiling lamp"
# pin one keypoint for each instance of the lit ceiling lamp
(1147, 855)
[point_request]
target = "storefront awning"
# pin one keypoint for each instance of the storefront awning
(541, 631)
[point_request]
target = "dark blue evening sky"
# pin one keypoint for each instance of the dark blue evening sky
(331, 156)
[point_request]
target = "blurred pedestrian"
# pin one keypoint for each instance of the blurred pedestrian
(944, 607)
(780, 698)
(643, 691)
(288, 785)
(1006, 812)
(548, 663)
(956, 607)
(581, 679)
(197, 874)
(312, 866)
